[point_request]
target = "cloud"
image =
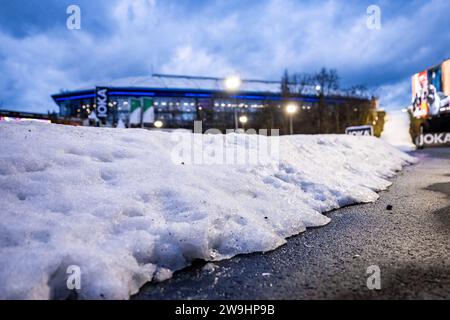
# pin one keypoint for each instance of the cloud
(257, 39)
(189, 60)
(395, 96)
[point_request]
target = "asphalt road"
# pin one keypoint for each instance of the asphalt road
(410, 244)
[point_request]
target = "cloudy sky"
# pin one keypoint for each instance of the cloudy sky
(39, 55)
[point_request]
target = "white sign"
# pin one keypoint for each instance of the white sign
(430, 139)
(359, 131)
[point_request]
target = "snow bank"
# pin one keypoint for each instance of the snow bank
(396, 130)
(113, 202)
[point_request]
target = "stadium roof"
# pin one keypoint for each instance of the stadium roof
(183, 82)
(165, 81)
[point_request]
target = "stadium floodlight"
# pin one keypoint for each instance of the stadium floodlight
(291, 109)
(158, 124)
(233, 83)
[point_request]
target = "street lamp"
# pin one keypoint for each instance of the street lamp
(320, 94)
(291, 109)
(233, 84)
(243, 120)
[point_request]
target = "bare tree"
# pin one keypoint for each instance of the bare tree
(359, 91)
(285, 84)
(328, 80)
(302, 81)
(329, 115)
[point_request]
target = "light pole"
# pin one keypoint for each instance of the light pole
(232, 85)
(291, 109)
(320, 94)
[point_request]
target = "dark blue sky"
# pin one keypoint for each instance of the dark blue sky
(258, 39)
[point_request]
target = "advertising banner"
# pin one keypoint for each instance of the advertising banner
(446, 77)
(102, 100)
(433, 139)
(420, 95)
(149, 111)
(359, 131)
(136, 112)
(430, 90)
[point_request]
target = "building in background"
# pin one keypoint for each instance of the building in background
(171, 101)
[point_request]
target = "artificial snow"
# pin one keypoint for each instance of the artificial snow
(116, 204)
(397, 130)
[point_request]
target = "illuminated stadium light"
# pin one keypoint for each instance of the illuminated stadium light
(233, 83)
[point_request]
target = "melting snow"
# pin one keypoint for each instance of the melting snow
(112, 202)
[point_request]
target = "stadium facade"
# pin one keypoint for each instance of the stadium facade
(173, 101)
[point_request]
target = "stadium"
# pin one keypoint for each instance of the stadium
(176, 101)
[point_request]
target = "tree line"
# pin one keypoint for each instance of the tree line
(335, 109)
(323, 107)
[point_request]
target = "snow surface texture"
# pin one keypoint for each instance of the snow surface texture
(113, 202)
(396, 130)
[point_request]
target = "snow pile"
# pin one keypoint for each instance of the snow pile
(396, 130)
(113, 203)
